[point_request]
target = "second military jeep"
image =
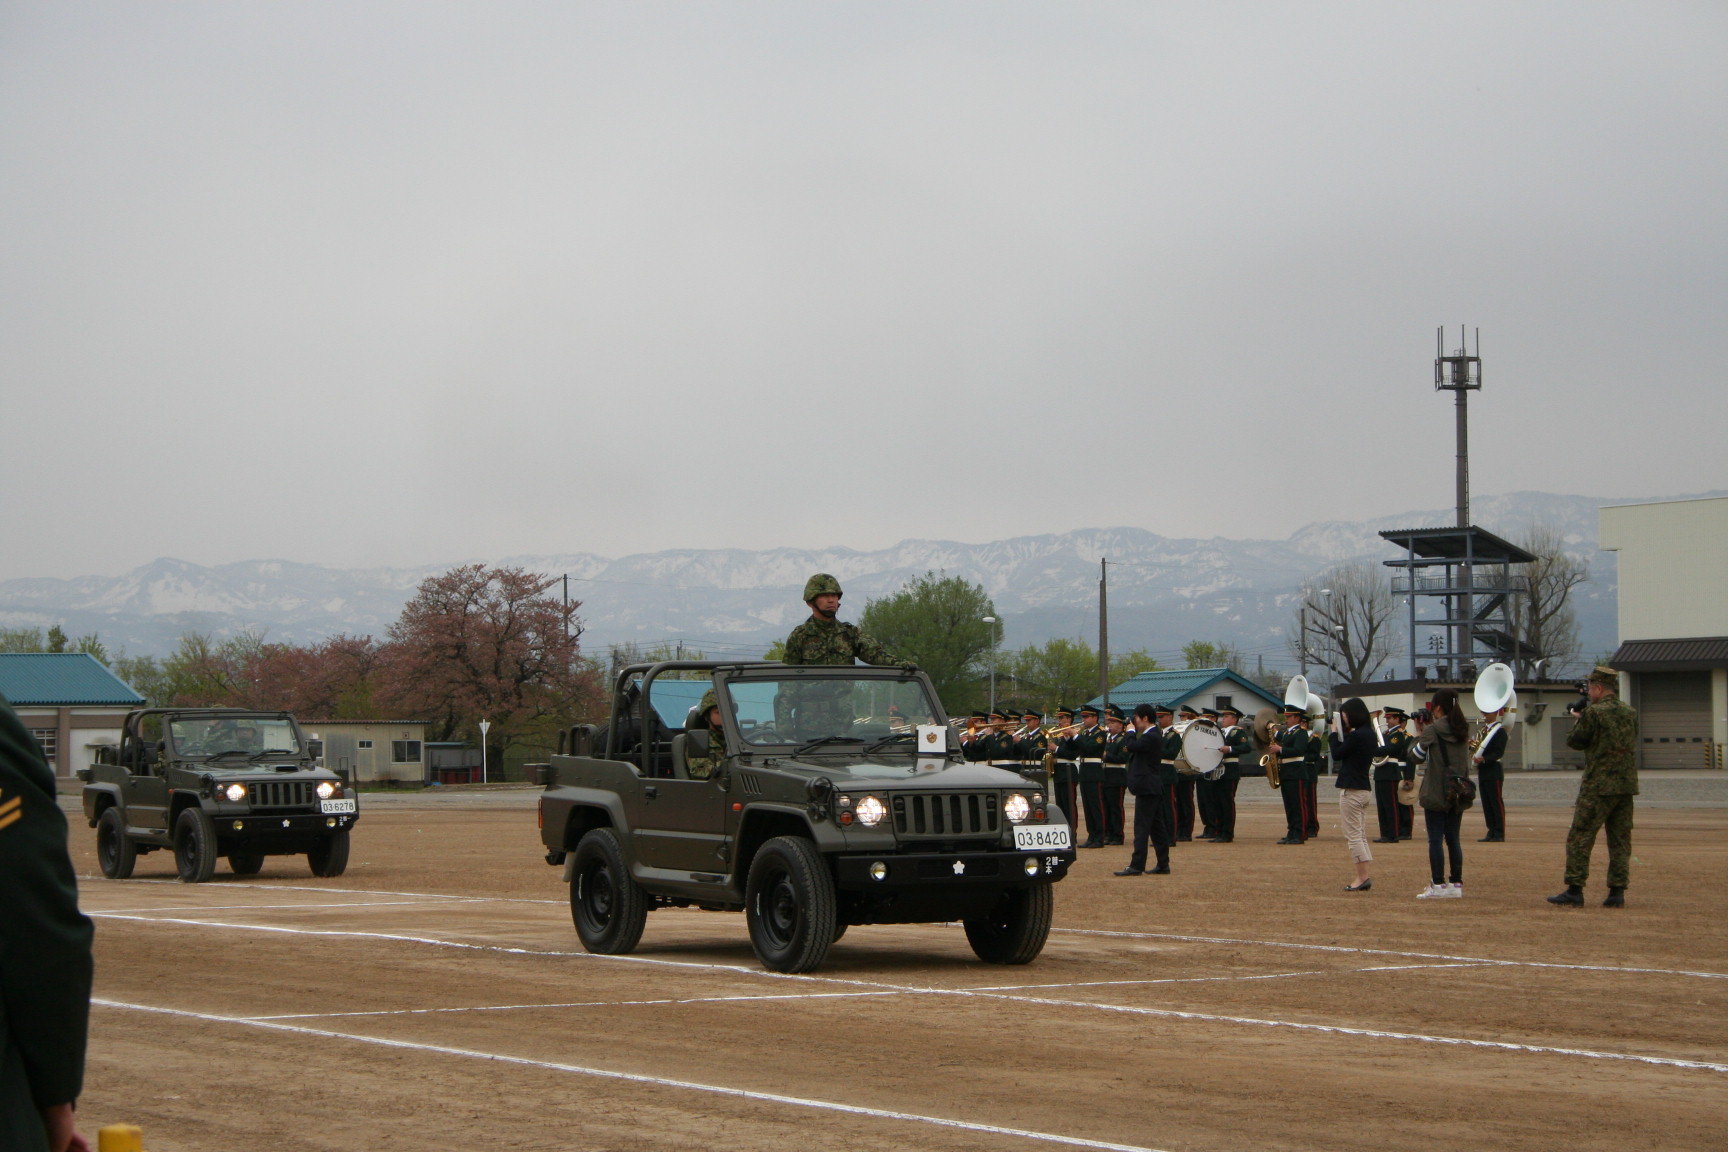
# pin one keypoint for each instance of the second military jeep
(836, 797)
(211, 782)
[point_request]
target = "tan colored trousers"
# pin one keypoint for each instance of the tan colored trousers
(1353, 805)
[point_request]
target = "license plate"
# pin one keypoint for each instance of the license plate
(1038, 837)
(328, 806)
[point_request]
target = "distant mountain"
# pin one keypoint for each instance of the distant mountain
(1163, 592)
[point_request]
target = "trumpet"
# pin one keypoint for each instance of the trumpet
(1064, 730)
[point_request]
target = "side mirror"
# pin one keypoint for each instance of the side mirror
(315, 749)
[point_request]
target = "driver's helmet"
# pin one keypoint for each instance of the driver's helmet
(709, 700)
(821, 584)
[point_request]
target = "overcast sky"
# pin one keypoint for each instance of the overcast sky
(371, 283)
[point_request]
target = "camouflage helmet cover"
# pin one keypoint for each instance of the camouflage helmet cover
(821, 584)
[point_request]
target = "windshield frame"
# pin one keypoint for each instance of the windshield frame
(184, 744)
(831, 743)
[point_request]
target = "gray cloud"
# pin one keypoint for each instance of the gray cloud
(391, 283)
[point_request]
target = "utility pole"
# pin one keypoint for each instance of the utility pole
(1103, 633)
(1460, 374)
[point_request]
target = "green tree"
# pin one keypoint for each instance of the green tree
(56, 638)
(1205, 654)
(937, 620)
(1130, 664)
(21, 640)
(1054, 673)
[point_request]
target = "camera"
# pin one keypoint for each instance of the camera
(1423, 715)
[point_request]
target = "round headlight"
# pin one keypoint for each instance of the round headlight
(235, 792)
(870, 811)
(325, 790)
(1016, 809)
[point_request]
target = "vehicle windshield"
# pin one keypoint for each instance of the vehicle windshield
(236, 735)
(813, 710)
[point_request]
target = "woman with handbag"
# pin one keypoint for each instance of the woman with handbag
(1446, 791)
(1353, 751)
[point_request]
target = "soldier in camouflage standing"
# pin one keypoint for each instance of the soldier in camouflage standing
(816, 709)
(1607, 734)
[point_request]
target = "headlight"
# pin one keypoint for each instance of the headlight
(235, 792)
(1016, 808)
(870, 811)
(326, 790)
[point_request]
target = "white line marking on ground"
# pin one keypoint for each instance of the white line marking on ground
(328, 891)
(1148, 980)
(581, 1004)
(638, 1078)
(1169, 1013)
(254, 907)
(1391, 952)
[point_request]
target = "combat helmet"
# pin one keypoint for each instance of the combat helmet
(821, 584)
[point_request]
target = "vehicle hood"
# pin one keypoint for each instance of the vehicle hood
(902, 773)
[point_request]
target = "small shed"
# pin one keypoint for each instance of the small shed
(1196, 687)
(69, 701)
(372, 751)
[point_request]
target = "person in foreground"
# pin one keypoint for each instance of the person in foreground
(1154, 819)
(1607, 734)
(45, 962)
(1354, 755)
(1440, 743)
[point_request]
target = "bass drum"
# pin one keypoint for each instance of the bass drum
(1202, 750)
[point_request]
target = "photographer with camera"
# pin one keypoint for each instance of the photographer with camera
(1607, 734)
(1446, 790)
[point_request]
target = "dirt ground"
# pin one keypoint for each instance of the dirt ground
(436, 997)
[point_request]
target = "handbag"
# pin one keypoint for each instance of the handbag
(1461, 791)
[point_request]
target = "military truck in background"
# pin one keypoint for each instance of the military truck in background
(213, 782)
(833, 796)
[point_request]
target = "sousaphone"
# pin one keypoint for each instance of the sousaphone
(1495, 690)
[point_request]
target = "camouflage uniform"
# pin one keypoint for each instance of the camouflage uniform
(1607, 734)
(702, 764)
(817, 709)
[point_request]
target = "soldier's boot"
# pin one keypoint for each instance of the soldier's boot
(1616, 898)
(1572, 897)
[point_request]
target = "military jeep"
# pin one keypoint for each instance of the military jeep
(210, 782)
(834, 796)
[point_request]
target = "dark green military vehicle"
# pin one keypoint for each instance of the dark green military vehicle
(211, 782)
(837, 798)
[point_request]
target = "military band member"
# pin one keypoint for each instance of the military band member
(1293, 747)
(1491, 776)
(1032, 745)
(1236, 746)
(1184, 790)
(972, 741)
(1165, 718)
(1206, 793)
(1311, 784)
(1088, 751)
(1396, 819)
(1150, 781)
(999, 749)
(1115, 772)
(1063, 782)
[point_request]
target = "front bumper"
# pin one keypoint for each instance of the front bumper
(951, 870)
(284, 824)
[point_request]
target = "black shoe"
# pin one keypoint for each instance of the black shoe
(1130, 872)
(1223, 839)
(1573, 897)
(1113, 842)
(1161, 870)
(1289, 840)
(1362, 887)
(1207, 835)
(1616, 898)
(1491, 838)
(1183, 839)
(1093, 844)
(1384, 840)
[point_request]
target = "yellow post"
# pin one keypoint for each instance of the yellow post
(120, 1138)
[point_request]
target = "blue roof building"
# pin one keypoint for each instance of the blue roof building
(69, 701)
(1197, 687)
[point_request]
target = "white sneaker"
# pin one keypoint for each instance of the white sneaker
(1433, 892)
(1455, 891)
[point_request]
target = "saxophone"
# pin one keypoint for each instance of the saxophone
(1269, 761)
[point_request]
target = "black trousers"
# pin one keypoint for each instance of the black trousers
(1386, 807)
(1152, 824)
(1443, 829)
(1491, 790)
(1185, 808)
(1224, 804)
(1092, 800)
(1066, 796)
(1311, 806)
(1113, 811)
(1206, 800)
(1291, 791)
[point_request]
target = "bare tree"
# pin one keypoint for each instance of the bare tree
(1348, 612)
(1544, 621)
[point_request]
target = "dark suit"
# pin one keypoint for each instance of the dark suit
(1150, 784)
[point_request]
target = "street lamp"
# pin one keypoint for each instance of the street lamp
(485, 727)
(995, 638)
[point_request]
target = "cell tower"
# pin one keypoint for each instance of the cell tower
(1459, 374)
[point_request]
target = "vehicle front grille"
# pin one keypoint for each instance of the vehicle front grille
(946, 814)
(280, 793)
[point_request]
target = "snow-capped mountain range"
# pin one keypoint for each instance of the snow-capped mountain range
(1163, 592)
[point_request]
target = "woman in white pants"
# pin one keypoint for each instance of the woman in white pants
(1353, 752)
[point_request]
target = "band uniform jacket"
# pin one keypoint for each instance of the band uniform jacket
(1116, 758)
(1146, 751)
(1172, 752)
(1088, 744)
(1607, 734)
(1395, 763)
(45, 962)
(1493, 749)
(1297, 744)
(1236, 746)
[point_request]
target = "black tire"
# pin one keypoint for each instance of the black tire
(245, 863)
(607, 905)
(1015, 932)
(330, 857)
(790, 906)
(115, 851)
(194, 846)
(839, 931)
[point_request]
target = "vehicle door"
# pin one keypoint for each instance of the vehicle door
(683, 824)
(145, 787)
